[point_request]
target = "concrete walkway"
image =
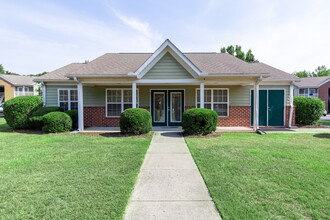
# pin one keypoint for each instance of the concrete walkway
(169, 185)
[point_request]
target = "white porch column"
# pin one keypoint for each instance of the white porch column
(80, 108)
(256, 106)
(201, 95)
(44, 94)
(134, 95)
(291, 105)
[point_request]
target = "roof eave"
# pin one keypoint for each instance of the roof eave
(100, 75)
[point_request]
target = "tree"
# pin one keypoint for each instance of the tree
(302, 74)
(321, 71)
(231, 50)
(239, 53)
(2, 70)
(249, 57)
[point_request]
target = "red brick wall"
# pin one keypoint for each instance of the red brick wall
(287, 116)
(324, 94)
(238, 116)
(95, 117)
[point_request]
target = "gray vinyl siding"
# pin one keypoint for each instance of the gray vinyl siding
(286, 91)
(52, 94)
(167, 68)
(95, 95)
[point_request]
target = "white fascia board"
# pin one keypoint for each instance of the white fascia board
(324, 82)
(161, 51)
(168, 81)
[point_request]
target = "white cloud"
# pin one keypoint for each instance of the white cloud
(57, 38)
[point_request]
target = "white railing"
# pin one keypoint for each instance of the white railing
(23, 93)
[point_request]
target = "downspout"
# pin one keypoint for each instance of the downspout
(291, 105)
(43, 93)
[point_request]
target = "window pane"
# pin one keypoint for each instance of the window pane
(126, 106)
(74, 105)
(64, 105)
(198, 95)
(114, 109)
(221, 109)
(114, 96)
(127, 95)
(73, 95)
(207, 95)
(64, 95)
(220, 96)
(207, 106)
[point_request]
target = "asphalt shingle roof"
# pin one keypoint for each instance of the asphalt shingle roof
(18, 80)
(59, 74)
(312, 82)
(120, 64)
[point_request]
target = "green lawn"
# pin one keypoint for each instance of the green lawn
(274, 176)
(323, 122)
(67, 177)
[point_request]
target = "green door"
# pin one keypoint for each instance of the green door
(276, 108)
(271, 107)
(159, 107)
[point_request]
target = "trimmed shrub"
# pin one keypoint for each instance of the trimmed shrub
(135, 121)
(55, 122)
(197, 121)
(18, 110)
(308, 110)
(74, 117)
(36, 121)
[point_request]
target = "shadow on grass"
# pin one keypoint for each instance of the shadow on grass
(322, 135)
(114, 134)
(6, 128)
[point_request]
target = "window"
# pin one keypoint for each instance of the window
(118, 100)
(308, 92)
(215, 99)
(303, 92)
(68, 99)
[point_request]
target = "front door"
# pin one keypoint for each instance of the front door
(271, 107)
(167, 107)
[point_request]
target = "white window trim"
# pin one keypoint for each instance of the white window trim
(69, 97)
(316, 95)
(121, 102)
(212, 102)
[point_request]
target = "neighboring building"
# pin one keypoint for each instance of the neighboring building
(168, 82)
(318, 87)
(15, 85)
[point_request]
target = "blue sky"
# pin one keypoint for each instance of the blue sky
(37, 36)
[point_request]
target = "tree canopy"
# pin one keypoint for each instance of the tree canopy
(239, 53)
(319, 71)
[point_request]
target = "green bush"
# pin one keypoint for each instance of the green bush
(308, 110)
(199, 121)
(17, 111)
(55, 122)
(135, 121)
(74, 117)
(36, 121)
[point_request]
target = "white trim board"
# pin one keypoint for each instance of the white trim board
(168, 46)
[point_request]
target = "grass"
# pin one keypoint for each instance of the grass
(274, 176)
(323, 122)
(67, 176)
